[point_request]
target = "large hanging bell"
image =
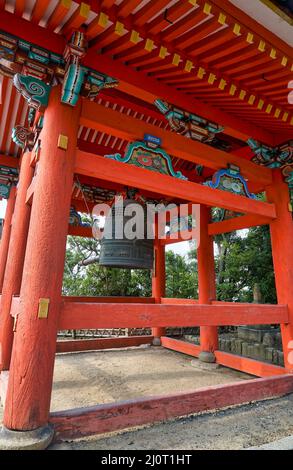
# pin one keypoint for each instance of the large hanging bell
(124, 251)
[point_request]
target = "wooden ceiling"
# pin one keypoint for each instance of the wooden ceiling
(207, 56)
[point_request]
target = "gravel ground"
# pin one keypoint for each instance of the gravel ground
(89, 378)
(85, 379)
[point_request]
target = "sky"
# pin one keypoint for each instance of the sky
(181, 248)
(2, 209)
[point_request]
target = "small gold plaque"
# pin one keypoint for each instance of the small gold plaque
(43, 308)
(62, 142)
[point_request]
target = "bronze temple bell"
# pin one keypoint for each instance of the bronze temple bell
(121, 251)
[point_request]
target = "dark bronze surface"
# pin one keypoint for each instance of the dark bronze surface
(122, 252)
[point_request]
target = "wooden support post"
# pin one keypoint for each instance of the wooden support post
(32, 363)
(158, 282)
(206, 285)
(5, 239)
(282, 240)
(15, 260)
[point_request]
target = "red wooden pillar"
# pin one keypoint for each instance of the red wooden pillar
(206, 285)
(15, 260)
(5, 239)
(32, 363)
(282, 242)
(158, 283)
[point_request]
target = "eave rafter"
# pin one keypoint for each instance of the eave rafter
(250, 42)
(149, 89)
(140, 34)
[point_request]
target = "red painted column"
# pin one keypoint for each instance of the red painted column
(206, 285)
(158, 283)
(15, 260)
(32, 363)
(5, 239)
(282, 243)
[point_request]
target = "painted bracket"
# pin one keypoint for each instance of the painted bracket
(154, 159)
(230, 179)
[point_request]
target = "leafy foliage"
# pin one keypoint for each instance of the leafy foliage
(95, 280)
(181, 277)
(242, 260)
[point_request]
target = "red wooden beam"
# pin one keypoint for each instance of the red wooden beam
(102, 343)
(237, 223)
(86, 232)
(32, 32)
(249, 366)
(148, 11)
(184, 24)
(39, 10)
(72, 424)
(77, 19)
(98, 149)
(180, 346)
(129, 175)
(243, 364)
(110, 299)
(107, 3)
(81, 315)
(59, 13)
(127, 6)
(11, 162)
(224, 302)
(173, 301)
(115, 96)
(106, 120)
(81, 206)
(19, 7)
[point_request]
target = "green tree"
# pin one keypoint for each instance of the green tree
(181, 277)
(95, 280)
(242, 261)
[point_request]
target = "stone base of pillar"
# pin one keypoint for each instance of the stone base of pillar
(207, 356)
(38, 439)
(157, 341)
(204, 365)
(4, 375)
